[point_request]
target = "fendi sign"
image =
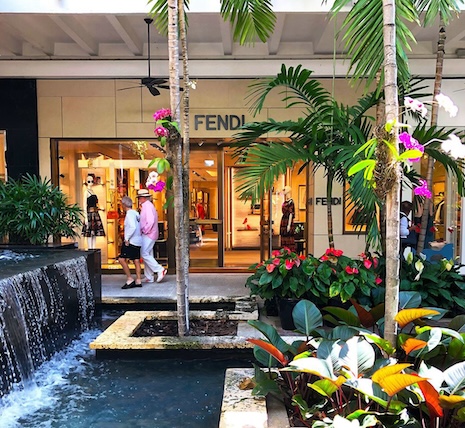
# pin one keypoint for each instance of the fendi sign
(218, 122)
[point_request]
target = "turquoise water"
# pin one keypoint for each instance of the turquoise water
(75, 390)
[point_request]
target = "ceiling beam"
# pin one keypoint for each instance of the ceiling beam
(275, 39)
(226, 36)
(77, 33)
(27, 34)
(126, 33)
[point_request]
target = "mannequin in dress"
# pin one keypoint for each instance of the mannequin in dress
(286, 228)
(93, 225)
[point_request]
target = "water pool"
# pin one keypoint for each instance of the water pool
(75, 390)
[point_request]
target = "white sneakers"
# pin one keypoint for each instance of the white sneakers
(161, 275)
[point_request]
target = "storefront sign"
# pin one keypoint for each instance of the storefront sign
(324, 201)
(217, 122)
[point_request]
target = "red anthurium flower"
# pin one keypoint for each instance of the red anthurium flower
(363, 255)
(367, 263)
(289, 264)
(302, 257)
(351, 271)
(378, 280)
(286, 250)
(324, 258)
(275, 253)
(375, 262)
(276, 262)
(329, 251)
(270, 268)
(297, 262)
(338, 253)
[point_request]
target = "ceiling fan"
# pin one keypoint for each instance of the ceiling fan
(151, 83)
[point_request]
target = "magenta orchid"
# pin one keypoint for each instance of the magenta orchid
(154, 183)
(422, 190)
(411, 143)
(162, 114)
(165, 127)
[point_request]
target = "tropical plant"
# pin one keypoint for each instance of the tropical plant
(317, 138)
(350, 376)
(33, 211)
(439, 284)
(287, 275)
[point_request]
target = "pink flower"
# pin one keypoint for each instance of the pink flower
(276, 262)
(375, 262)
(161, 114)
(411, 144)
(160, 131)
(157, 187)
(270, 268)
(351, 271)
(378, 280)
(367, 263)
(275, 253)
(289, 264)
(302, 257)
(423, 190)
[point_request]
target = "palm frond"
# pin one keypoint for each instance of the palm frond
(250, 19)
(262, 164)
(298, 89)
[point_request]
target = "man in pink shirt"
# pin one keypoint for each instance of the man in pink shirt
(149, 229)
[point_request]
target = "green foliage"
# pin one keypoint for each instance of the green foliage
(287, 275)
(439, 284)
(34, 210)
(331, 378)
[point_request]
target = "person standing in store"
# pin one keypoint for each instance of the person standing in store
(149, 229)
(130, 249)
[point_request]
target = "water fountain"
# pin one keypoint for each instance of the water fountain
(46, 299)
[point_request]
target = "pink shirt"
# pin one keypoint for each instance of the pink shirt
(149, 220)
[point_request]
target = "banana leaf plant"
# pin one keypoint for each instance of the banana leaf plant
(350, 374)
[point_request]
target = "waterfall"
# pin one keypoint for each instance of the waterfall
(41, 310)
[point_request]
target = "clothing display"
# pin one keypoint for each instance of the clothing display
(287, 236)
(94, 226)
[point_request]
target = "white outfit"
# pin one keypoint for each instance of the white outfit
(132, 231)
(151, 266)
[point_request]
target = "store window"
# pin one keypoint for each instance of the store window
(118, 168)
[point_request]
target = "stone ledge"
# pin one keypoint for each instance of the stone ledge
(240, 409)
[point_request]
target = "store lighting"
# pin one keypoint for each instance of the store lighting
(209, 162)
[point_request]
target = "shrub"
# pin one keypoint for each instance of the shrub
(33, 210)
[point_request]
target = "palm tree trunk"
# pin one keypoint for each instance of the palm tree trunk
(175, 152)
(393, 196)
(434, 120)
(185, 165)
(329, 207)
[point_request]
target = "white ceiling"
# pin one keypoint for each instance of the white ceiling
(52, 41)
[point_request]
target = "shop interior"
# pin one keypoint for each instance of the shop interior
(229, 233)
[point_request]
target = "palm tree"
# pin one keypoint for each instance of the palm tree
(318, 138)
(251, 19)
(365, 33)
(431, 10)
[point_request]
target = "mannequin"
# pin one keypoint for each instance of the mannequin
(93, 225)
(286, 228)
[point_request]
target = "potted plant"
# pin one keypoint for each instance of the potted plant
(34, 210)
(287, 278)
